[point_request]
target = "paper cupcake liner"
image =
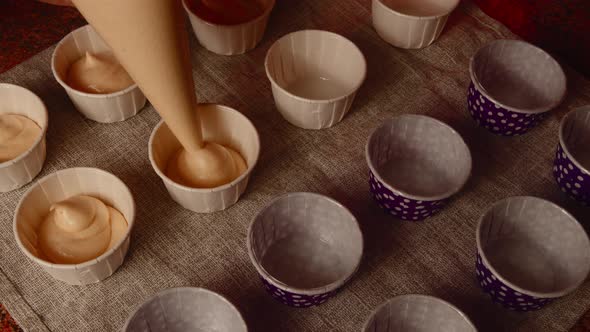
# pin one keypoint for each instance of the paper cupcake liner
(186, 309)
(572, 160)
(438, 152)
(230, 39)
(513, 85)
(106, 108)
(408, 31)
(34, 206)
(303, 58)
(530, 251)
(220, 124)
(418, 313)
(308, 233)
(17, 172)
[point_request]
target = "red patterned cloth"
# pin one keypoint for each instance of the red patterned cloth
(7, 324)
(559, 26)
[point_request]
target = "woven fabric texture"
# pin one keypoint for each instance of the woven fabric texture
(173, 247)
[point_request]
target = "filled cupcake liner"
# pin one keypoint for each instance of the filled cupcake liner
(314, 53)
(513, 85)
(407, 31)
(434, 146)
(230, 39)
(220, 124)
(17, 172)
(106, 108)
(305, 217)
(530, 251)
(417, 313)
(498, 119)
(186, 309)
(571, 169)
(63, 184)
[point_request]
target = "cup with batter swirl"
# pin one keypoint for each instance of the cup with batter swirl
(76, 224)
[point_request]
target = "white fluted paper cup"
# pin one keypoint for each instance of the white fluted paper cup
(314, 77)
(230, 39)
(417, 313)
(106, 108)
(186, 309)
(61, 185)
(220, 124)
(23, 169)
(411, 23)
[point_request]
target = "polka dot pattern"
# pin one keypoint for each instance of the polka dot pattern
(402, 207)
(497, 119)
(572, 180)
(296, 300)
(503, 294)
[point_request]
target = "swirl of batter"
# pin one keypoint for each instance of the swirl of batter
(98, 73)
(17, 134)
(79, 229)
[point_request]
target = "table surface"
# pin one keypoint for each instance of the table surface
(174, 247)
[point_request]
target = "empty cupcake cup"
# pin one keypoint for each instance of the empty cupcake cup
(21, 170)
(222, 125)
(106, 108)
(186, 309)
(416, 163)
(305, 247)
(61, 185)
(513, 85)
(314, 77)
(229, 39)
(571, 168)
(411, 23)
(418, 313)
(529, 252)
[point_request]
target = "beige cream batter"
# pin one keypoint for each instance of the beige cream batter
(150, 40)
(17, 134)
(98, 73)
(79, 229)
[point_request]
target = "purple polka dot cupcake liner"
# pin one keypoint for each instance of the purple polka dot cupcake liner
(571, 168)
(416, 163)
(503, 294)
(401, 207)
(497, 119)
(529, 252)
(305, 247)
(296, 300)
(513, 86)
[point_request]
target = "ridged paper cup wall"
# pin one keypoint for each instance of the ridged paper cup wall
(314, 77)
(411, 23)
(513, 85)
(416, 163)
(107, 108)
(23, 169)
(230, 39)
(186, 309)
(305, 247)
(220, 124)
(61, 185)
(418, 313)
(529, 252)
(572, 159)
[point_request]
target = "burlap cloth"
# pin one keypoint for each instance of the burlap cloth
(175, 247)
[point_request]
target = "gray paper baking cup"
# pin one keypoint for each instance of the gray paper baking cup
(513, 84)
(305, 247)
(418, 313)
(416, 163)
(572, 160)
(186, 309)
(530, 251)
